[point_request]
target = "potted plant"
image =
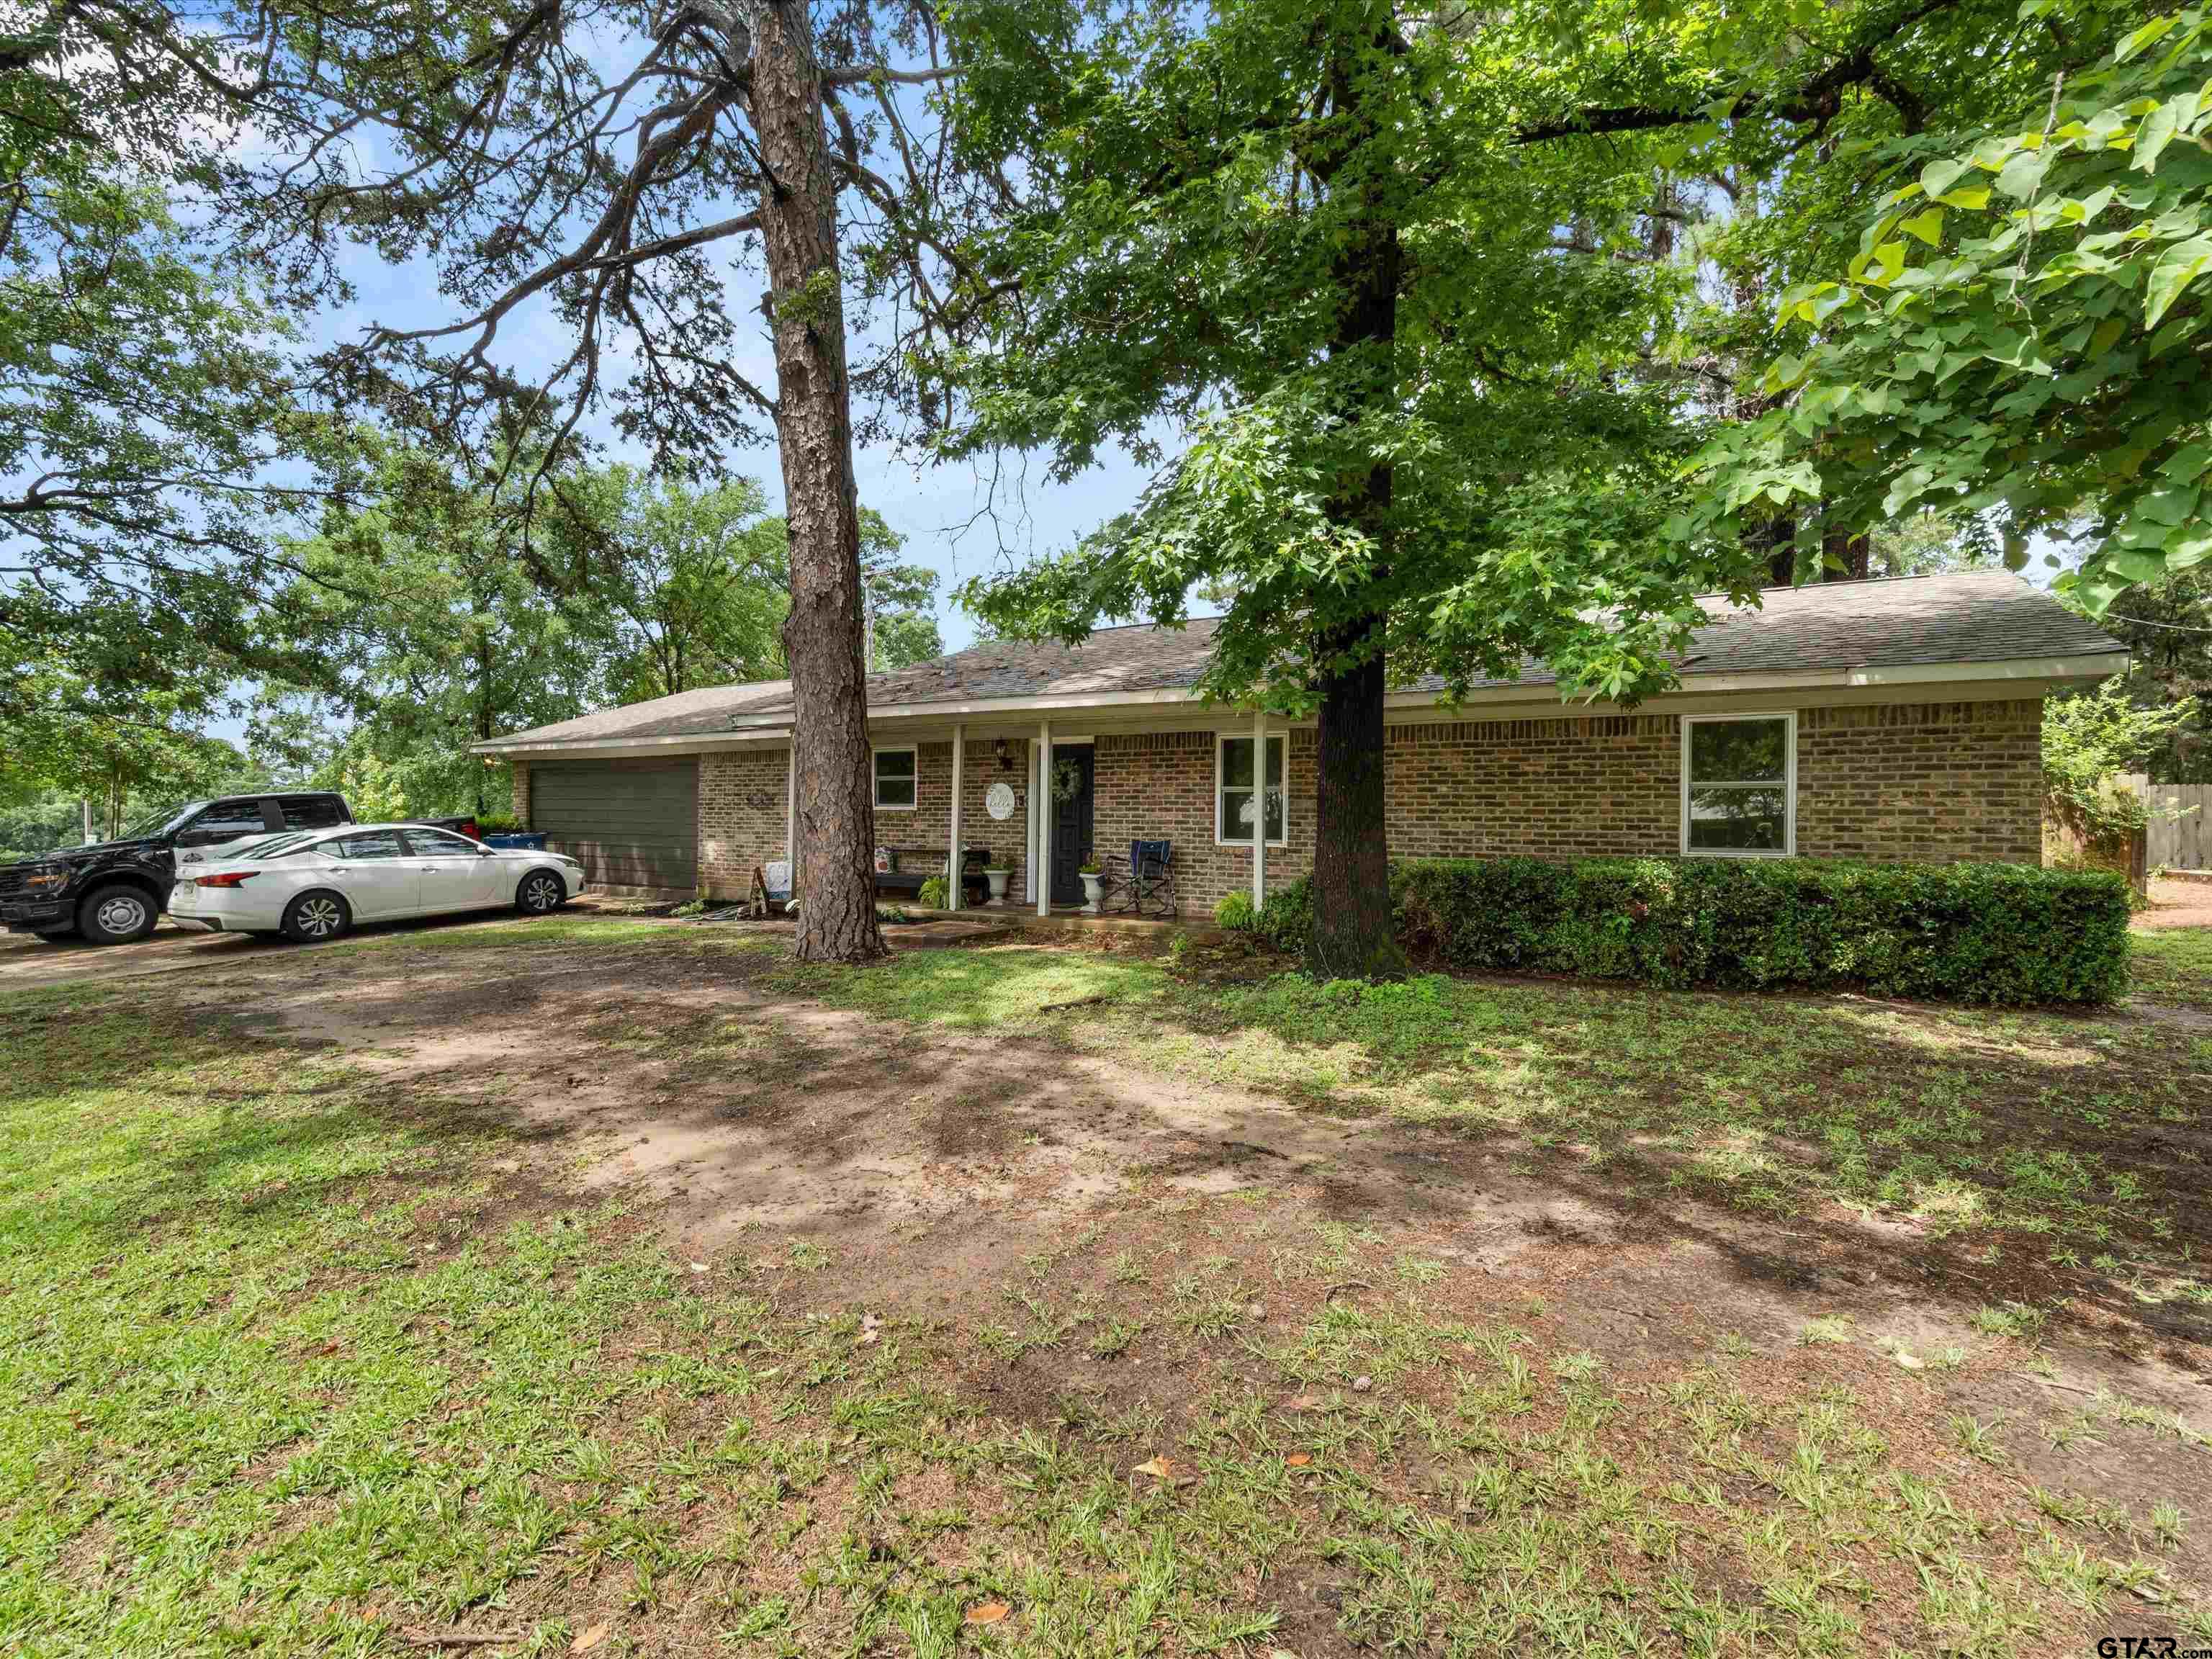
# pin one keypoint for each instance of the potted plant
(1094, 885)
(997, 875)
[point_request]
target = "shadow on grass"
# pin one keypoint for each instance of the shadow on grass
(2073, 1140)
(1804, 1139)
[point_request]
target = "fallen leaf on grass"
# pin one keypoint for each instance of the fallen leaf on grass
(1303, 1403)
(990, 1613)
(1160, 1468)
(1909, 1362)
(1299, 1459)
(698, 1266)
(590, 1639)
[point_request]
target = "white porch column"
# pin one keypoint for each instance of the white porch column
(1260, 805)
(959, 754)
(1042, 793)
(791, 812)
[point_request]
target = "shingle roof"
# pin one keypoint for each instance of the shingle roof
(1965, 617)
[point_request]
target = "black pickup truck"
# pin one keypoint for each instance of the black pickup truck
(114, 892)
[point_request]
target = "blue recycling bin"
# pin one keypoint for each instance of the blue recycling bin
(517, 841)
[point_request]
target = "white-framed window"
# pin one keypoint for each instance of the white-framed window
(1234, 795)
(1740, 786)
(895, 780)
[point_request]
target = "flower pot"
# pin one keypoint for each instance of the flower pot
(1094, 889)
(998, 880)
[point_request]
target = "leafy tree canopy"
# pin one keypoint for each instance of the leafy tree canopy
(1204, 200)
(2021, 330)
(2167, 628)
(1584, 215)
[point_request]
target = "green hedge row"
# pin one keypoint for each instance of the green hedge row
(1968, 932)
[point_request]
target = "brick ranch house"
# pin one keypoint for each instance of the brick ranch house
(1887, 720)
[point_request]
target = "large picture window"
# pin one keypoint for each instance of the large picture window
(895, 777)
(1740, 785)
(1234, 795)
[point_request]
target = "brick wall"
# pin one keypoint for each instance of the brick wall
(1924, 781)
(1915, 782)
(1930, 782)
(930, 824)
(741, 802)
(1159, 786)
(1575, 787)
(521, 772)
(979, 770)
(742, 806)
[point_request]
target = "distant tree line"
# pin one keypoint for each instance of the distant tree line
(431, 635)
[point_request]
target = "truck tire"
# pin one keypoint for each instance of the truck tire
(117, 914)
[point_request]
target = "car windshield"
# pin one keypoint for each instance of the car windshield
(161, 823)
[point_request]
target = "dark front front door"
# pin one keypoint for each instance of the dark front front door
(1070, 822)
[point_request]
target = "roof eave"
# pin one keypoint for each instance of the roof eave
(2048, 672)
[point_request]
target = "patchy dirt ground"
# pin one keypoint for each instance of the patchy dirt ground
(2177, 901)
(931, 1160)
(1101, 1245)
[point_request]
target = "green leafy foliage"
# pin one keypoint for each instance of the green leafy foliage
(2021, 331)
(444, 630)
(932, 894)
(1412, 421)
(142, 402)
(2087, 741)
(2168, 628)
(1286, 921)
(1235, 913)
(1969, 932)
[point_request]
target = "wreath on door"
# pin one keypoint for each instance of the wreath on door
(1067, 780)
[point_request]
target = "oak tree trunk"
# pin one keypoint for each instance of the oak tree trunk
(1350, 937)
(814, 431)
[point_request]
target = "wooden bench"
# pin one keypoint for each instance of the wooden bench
(913, 865)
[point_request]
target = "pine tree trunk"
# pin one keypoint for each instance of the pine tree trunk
(814, 430)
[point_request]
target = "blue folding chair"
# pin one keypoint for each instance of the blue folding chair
(1144, 883)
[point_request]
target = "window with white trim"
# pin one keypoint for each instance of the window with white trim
(895, 780)
(1740, 785)
(1234, 795)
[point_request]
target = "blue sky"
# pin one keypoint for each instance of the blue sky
(936, 508)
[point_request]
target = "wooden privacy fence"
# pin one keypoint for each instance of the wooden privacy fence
(2177, 843)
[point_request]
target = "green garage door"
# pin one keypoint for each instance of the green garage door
(630, 823)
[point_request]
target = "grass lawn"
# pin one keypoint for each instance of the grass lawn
(1608, 1321)
(2174, 966)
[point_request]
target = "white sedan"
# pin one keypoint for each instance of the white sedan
(315, 884)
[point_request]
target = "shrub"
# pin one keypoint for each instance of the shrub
(1286, 918)
(932, 894)
(2087, 741)
(1235, 914)
(497, 823)
(1969, 932)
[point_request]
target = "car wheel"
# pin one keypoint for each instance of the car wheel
(314, 916)
(541, 893)
(116, 915)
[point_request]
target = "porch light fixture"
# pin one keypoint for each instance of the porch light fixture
(999, 748)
